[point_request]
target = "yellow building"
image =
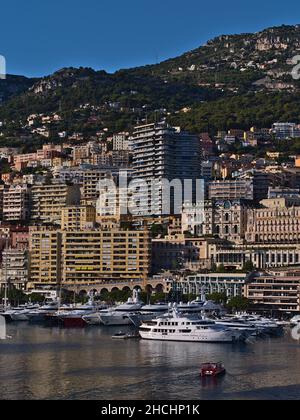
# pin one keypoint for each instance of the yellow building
(78, 217)
(91, 256)
(105, 255)
(45, 256)
(49, 199)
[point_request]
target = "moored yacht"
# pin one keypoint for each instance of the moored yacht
(295, 320)
(263, 325)
(237, 324)
(74, 317)
(39, 315)
(180, 327)
(194, 307)
(149, 312)
(124, 314)
(19, 313)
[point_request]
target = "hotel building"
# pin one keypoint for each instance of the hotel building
(275, 222)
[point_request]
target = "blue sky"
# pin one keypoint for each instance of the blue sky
(38, 37)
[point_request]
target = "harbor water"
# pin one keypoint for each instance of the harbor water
(75, 364)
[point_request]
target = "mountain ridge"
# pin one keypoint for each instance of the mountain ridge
(225, 67)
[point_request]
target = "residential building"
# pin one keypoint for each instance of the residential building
(2, 189)
(16, 203)
(90, 256)
(286, 130)
(275, 290)
(101, 256)
(87, 177)
(78, 217)
(230, 189)
(45, 248)
(47, 201)
(121, 142)
(15, 267)
(162, 152)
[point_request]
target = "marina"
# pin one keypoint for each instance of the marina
(41, 362)
(199, 320)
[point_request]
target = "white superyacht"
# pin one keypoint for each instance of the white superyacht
(179, 327)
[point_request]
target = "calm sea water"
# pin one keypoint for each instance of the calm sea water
(53, 363)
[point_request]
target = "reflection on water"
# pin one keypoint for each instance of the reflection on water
(53, 363)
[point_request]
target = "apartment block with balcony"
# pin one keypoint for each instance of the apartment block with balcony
(91, 256)
(15, 267)
(276, 290)
(47, 201)
(45, 250)
(78, 217)
(231, 189)
(16, 203)
(121, 142)
(98, 256)
(87, 178)
(162, 152)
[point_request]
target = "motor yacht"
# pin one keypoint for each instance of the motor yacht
(184, 327)
(149, 312)
(39, 315)
(295, 321)
(19, 313)
(74, 317)
(124, 314)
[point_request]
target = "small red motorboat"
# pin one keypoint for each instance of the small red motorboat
(212, 369)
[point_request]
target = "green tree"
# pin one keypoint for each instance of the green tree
(221, 269)
(238, 303)
(248, 267)
(219, 298)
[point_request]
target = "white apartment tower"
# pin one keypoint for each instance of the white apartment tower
(161, 152)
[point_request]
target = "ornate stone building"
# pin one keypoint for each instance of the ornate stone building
(275, 222)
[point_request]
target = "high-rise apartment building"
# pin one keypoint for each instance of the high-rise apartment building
(161, 152)
(87, 177)
(121, 142)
